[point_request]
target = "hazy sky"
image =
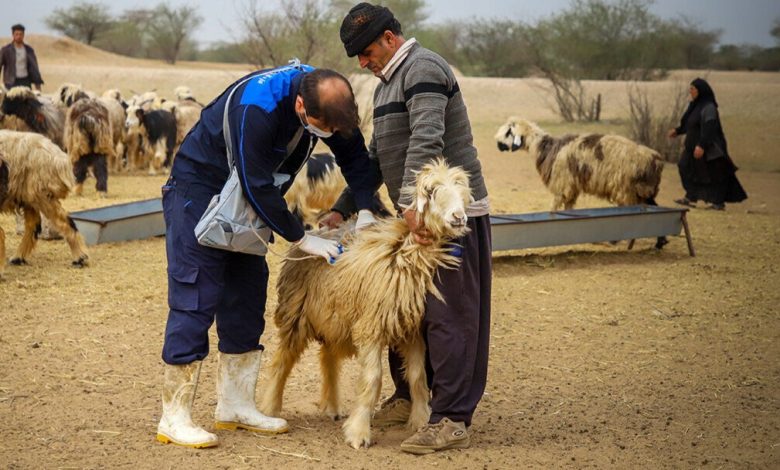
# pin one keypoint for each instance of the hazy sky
(742, 21)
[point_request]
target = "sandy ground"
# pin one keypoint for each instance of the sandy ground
(600, 357)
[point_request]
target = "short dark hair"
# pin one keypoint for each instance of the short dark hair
(17, 27)
(340, 112)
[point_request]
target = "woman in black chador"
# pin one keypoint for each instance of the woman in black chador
(706, 170)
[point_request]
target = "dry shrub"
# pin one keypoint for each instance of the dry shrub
(650, 127)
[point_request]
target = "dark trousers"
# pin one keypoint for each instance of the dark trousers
(22, 82)
(457, 333)
(99, 167)
(205, 283)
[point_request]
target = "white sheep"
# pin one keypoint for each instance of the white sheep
(35, 175)
(112, 100)
(608, 166)
(372, 298)
(611, 167)
(186, 109)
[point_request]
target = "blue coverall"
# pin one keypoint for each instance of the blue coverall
(207, 283)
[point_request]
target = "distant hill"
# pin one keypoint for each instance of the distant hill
(64, 50)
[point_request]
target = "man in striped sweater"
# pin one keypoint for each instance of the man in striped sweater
(419, 115)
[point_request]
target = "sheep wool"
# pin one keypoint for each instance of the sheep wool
(373, 297)
(611, 167)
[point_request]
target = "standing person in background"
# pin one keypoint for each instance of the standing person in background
(18, 62)
(419, 115)
(706, 169)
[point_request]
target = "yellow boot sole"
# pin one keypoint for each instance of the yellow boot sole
(232, 426)
(198, 445)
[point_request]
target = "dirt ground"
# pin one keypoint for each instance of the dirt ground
(600, 357)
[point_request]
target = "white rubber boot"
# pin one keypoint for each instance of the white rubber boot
(176, 426)
(236, 383)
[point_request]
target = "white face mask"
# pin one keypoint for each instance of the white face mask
(312, 128)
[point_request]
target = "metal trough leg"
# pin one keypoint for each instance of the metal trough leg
(691, 251)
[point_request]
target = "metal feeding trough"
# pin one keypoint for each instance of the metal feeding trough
(570, 227)
(121, 222)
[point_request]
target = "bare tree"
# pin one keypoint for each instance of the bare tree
(169, 29)
(82, 21)
(571, 100)
(299, 28)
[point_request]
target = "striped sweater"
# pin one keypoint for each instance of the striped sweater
(419, 114)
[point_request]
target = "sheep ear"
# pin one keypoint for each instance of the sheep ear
(139, 113)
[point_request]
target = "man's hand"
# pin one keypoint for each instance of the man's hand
(672, 133)
(365, 219)
(318, 246)
(332, 220)
(698, 152)
(419, 232)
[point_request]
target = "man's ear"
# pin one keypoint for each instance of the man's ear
(299, 108)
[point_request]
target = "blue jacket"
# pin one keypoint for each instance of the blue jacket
(262, 122)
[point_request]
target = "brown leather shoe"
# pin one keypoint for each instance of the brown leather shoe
(393, 412)
(444, 435)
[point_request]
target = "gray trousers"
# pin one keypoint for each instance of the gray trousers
(457, 333)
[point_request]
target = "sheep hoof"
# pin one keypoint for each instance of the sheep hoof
(17, 261)
(358, 443)
(661, 242)
(81, 262)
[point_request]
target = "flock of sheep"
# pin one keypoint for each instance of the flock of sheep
(49, 143)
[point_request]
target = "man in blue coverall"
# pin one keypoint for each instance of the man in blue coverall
(275, 118)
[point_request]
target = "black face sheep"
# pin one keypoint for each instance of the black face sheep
(20, 105)
(372, 298)
(151, 138)
(35, 175)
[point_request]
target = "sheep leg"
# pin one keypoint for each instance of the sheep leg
(414, 371)
(660, 241)
(357, 428)
(100, 167)
(60, 219)
(330, 366)
(285, 357)
(557, 202)
(32, 219)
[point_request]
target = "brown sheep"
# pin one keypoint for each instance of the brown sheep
(89, 142)
(372, 298)
(36, 175)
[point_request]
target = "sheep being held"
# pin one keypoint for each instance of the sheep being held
(372, 298)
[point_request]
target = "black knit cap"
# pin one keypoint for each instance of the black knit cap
(362, 25)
